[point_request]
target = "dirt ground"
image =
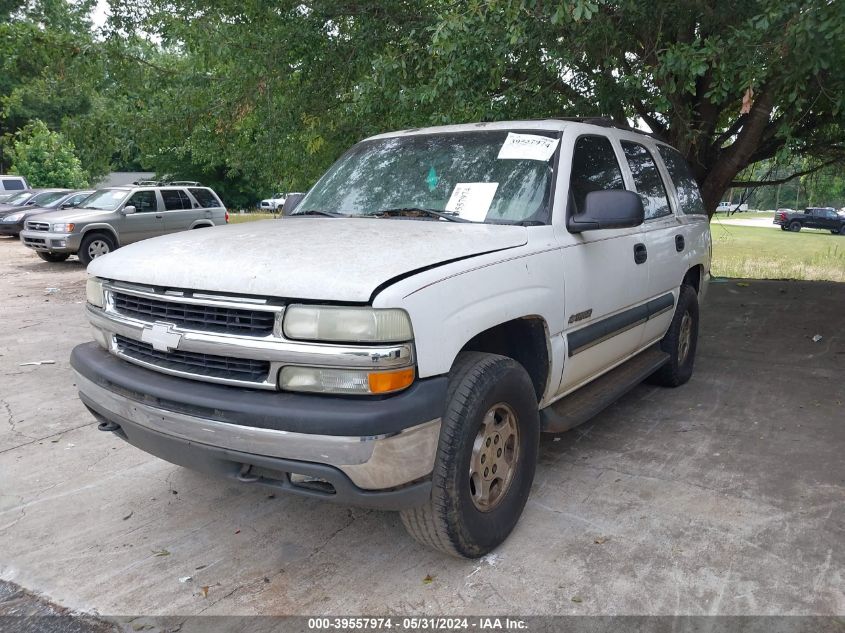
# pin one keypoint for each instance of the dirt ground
(725, 496)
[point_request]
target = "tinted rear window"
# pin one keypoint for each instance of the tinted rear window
(205, 197)
(689, 197)
(12, 184)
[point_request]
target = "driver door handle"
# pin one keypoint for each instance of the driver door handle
(640, 253)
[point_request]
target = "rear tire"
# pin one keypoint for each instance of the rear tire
(95, 245)
(485, 461)
(842, 230)
(53, 258)
(794, 226)
(680, 342)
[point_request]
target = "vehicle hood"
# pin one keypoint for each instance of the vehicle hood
(74, 215)
(329, 259)
(27, 211)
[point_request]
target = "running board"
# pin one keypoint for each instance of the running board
(594, 397)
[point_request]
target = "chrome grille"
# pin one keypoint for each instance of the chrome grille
(38, 226)
(222, 367)
(206, 318)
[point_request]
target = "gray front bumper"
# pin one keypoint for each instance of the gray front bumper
(51, 242)
(371, 463)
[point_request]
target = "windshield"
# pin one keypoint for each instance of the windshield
(47, 198)
(489, 176)
(19, 198)
(105, 199)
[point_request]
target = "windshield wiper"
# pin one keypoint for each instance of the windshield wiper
(452, 217)
(328, 214)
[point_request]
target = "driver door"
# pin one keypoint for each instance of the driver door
(147, 221)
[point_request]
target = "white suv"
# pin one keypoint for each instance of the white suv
(437, 300)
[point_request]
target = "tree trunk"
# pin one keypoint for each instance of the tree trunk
(736, 157)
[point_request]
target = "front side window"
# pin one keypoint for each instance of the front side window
(647, 180)
(143, 201)
(175, 199)
(689, 197)
(594, 168)
(496, 177)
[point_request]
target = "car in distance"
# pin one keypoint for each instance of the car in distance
(114, 217)
(12, 221)
(725, 207)
(274, 203)
(438, 299)
(825, 218)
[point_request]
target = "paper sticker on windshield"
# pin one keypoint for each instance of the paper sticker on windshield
(471, 200)
(528, 147)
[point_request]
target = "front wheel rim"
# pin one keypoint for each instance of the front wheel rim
(495, 457)
(684, 338)
(98, 248)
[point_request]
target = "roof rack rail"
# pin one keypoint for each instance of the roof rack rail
(607, 122)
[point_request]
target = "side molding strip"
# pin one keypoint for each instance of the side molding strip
(601, 331)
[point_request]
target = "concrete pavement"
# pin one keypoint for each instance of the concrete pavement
(725, 496)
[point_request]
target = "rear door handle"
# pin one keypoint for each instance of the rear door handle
(640, 253)
(679, 243)
(159, 216)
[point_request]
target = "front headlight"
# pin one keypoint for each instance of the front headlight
(63, 228)
(15, 217)
(94, 292)
(347, 324)
(345, 381)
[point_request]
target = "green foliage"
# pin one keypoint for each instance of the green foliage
(46, 159)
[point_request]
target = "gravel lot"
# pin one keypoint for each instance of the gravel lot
(726, 496)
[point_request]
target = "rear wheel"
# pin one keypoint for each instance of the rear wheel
(680, 342)
(53, 258)
(95, 245)
(485, 461)
(842, 230)
(794, 226)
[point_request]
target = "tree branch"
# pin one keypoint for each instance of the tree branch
(780, 181)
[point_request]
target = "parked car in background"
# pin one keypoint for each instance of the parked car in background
(12, 183)
(19, 199)
(12, 222)
(274, 203)
(113, 217)
(825, 218)
(437, 299)
(731, 207)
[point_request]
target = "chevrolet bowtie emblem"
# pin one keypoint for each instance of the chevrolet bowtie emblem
(161, 336)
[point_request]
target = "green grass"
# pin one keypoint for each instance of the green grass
(237, 218)
(764, 253)
(745, 215)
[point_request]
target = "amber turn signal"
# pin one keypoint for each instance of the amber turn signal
(387, 381)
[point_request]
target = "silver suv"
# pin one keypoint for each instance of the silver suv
(117, 216)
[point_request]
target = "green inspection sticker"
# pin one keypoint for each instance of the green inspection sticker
(432, 179)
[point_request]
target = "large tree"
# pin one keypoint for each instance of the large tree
(273, 91)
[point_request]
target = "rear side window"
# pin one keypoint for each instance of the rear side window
(594, 168)
(12, 184)
(647, 180)
(175, 199)
(689, 197)
(143, 201)
(205, 197)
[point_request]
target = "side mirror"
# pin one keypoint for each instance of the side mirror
(291, 202)
(608, 209)
(128, 210)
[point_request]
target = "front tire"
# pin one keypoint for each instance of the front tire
(680, 342)
(53, 258)
(486, 458)
(95, 245)
(794, 226)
